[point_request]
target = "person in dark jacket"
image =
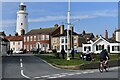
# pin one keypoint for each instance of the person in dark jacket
(11, 51)
(63, 53)
(104, 57)
(8, 52)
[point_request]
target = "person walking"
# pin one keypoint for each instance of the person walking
(11, 51)
(88, 56)
(8, 52)
(63, 53)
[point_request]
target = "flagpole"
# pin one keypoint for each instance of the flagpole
(68, 27)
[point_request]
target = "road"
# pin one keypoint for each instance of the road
(25, 67)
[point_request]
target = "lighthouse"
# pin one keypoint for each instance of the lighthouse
(22, 20)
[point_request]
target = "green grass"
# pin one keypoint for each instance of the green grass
(63, 62)
(53, 60)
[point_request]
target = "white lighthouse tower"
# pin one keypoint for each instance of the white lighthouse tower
(22, 20)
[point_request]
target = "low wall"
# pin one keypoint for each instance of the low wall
(112, 63)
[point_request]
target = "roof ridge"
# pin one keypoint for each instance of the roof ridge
(45, 28)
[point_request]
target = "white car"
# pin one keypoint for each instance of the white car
(18, 51)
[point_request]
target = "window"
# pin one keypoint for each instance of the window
(24, 46)
(55, 40)
(27, 38)
(18, 49)
(55, 47)
(47, 45)
(30, 47)
(47, 37)
(99, 47)
(88, 47)
(115, 48)
(30, 38)
(13, 43)
(42, 37)
(43, 45)
(21, 23)
(34, 38)
(65, 40)
(62, 46)
(102, 46)
(75, 40)
(13, 49)
(118, 48)
(18, 43)
(24, 39)
(84, 48)
(38, 37)
(62, 41)
(112, 48)
(65, 47)
(96, 47)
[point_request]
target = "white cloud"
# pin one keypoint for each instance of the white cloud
(53, 18)
(7, 23)
(93, 14)
(106, 13)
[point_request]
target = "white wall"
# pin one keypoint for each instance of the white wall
(114, 44)
(100, 42)
(16, 46)
(62, 43)
(22, 18)
(118, 36)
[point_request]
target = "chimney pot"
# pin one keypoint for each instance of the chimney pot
(106, 34)
(56, 26)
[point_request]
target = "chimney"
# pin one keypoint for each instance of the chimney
(56, 26)
(71, 28)
(61, 29)
(106, 34)
(16, 34)
(9, 34)
(97, 36)
(83, 33)
(113, 36)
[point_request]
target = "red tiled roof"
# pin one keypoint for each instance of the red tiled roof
(14, 38)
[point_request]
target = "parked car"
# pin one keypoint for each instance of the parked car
(18, 51)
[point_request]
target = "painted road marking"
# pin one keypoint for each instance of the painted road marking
(24, 75)
(21, 65)
(61, 74)
(20, 60)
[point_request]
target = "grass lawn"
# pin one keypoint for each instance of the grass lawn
(77, 61)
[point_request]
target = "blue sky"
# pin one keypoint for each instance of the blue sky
(94, 17)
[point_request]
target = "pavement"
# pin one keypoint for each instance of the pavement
(29, 67)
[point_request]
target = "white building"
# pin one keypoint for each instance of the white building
(63, 40)
(15, 42)
(22, 19)
(112, 46)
